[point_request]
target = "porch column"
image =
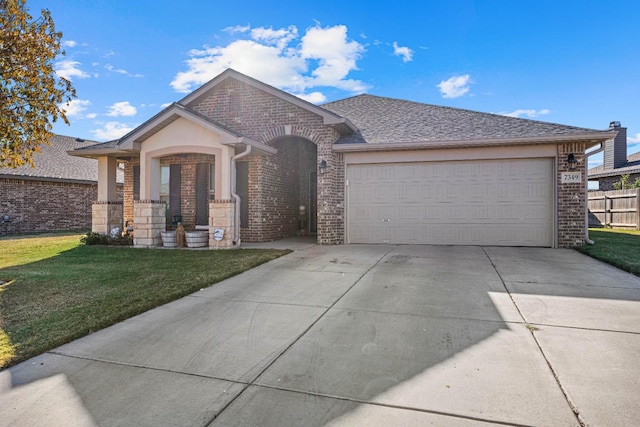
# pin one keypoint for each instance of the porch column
(149, 220)
(222, 216)
(149, 177)
(106, 212)
(107, 178)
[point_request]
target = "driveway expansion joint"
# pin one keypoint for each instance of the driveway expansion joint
(391, 406)
(303, 333)
(532, 329)
(151, 368)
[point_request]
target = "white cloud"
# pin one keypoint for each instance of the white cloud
(121, 71)
(75, 107)
(165, 105)
(279, 57)
(91, 116)
(69, 69)
(455, 87)
(633, 139)
(122, 109)
(69, 43)
(237, 29)
(313, 97)
(112, 130)
(528, 113)
(280, 38)
(405, 52)
(335, 55)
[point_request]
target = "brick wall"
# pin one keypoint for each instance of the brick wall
(278, 185)
(606, 183)
(38, 206)
(267, 118)
(571, 198)
(188, 164)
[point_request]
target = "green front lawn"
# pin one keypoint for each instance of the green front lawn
(620, 248)
(54, 290)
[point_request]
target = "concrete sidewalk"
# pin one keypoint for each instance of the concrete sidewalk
(360, 335)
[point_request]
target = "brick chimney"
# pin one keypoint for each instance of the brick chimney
(615, 150)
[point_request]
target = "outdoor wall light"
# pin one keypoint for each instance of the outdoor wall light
(572, 161)
(323, 167)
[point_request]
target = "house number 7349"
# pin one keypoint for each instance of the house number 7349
(571, 177)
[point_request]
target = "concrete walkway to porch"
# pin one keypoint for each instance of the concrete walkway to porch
(371, 335)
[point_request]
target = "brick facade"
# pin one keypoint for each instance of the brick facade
(188, 164)
(571, 197)
(268, 119)
(278, 185)
(37, 205)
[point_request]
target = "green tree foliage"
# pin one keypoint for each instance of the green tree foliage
(624, 183)
(31, 93)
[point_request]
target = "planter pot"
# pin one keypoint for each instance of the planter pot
(168, 239)
(197, 239)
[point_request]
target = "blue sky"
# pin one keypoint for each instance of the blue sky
(569, 62)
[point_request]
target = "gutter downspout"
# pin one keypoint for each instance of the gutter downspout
(586, 159)
(246, 152)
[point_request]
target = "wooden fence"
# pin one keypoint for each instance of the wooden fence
(615, 208)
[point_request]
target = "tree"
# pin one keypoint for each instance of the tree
(31, 93)
(624, 183)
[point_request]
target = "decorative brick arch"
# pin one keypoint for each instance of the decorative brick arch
(278, 132)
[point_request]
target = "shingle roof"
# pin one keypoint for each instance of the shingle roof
(632, 166)
(53, 163)
(388, 120)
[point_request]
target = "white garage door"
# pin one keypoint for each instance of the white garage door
(480, 202)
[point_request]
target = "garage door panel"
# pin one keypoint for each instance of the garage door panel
(491, 202)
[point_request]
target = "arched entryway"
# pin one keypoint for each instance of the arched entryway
(274, 188)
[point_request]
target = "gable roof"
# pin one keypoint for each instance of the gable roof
(389, 121)
(340, 123)
(632, 166)
(174, 112)
(54, 164)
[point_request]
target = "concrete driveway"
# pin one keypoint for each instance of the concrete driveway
(360, 335)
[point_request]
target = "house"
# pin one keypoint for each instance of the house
(242, 157)
(55, 195)
(616, 163)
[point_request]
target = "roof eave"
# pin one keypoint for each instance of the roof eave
(132, 141)
(255, 145)
(590, 139)
(93, 153)
(614, 172)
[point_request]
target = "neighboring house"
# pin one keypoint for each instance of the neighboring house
(55, 195)
(615, 161)
(241, 156)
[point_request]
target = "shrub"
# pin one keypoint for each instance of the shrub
(624, 183)
(102, 239)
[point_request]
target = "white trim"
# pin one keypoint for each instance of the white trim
(593, 138)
